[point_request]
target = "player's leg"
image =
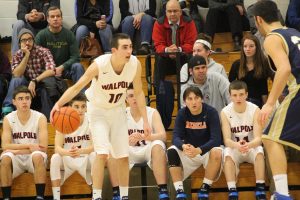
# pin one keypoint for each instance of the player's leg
(212, 171)
(6, 176)
(230, 170)
(176, 171)
(111, 166)
(120, 148)
(259, 168)
(278, 165)
(55, 175)
(159, 167)
(39, 173)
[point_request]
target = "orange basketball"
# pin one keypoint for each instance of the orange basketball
(66, 120)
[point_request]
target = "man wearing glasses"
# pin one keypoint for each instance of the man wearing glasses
(34, 67)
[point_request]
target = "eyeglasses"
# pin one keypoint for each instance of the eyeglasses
(26, 40)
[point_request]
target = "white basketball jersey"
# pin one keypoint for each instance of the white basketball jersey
(80, 138)
(241, 124)
(134, 126)
(109, 89)
(27, 133)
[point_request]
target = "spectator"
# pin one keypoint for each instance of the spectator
(138, 15)
(196, 141)
(5, 76)
(94, 18)
(252, 68)
(202, 47)
(34, 67)
(63, 46)
(293, 15)
(231, 10)
(30, 15)
(183, 39)
(213, 86)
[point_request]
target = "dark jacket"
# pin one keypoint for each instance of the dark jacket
(124, 8)
(186, 34)
(105, 7)
(293, 15)
(5, 69)
(25, 6)
(221, 4)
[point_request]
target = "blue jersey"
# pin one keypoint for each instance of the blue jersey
(291, 39)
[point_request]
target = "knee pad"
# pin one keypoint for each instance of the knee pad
(173, 158)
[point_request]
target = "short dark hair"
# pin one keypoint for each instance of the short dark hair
(116, 37)
(53, 8)
(78, 97)
(196, 61)
(267, 10)
(192, 89)
(237, 85)
(21, 89)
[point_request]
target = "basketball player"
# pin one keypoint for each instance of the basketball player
(242, 138)
(74, 151)
(196, 141)
(282, 45)
(111, 75)
(24, 144)
(150, 149)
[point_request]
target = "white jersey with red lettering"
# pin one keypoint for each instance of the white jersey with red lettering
(241, 124)
(24, 133)
(80, 138)
(109, 88)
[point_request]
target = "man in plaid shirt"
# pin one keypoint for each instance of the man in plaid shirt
(33, 66)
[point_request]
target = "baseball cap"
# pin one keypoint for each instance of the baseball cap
(196, 60)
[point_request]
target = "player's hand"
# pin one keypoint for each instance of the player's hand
(191, 151)
(264, 114)
(134, 138)
(59, 70)
(243, 146)
(74, 152)
(147, 130)
(55, 108)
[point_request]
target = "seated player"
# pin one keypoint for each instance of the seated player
(74, 151)
(24, 144)
(150, 149)
(196, 141)
(242, 138)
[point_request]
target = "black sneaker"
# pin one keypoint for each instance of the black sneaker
(203, 192)
(181, 195)
(144, 50)
(163, 196)
(260, 195)
(116, 198)
(125, 198)
(233, 194)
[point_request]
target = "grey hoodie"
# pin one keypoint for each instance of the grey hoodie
(215, 90)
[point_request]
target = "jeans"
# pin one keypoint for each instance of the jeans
(105, 36)
(74, 73)
(147, 23)
(16, 29)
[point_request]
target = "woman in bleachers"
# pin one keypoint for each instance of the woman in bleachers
(94, 18)
(252, 68)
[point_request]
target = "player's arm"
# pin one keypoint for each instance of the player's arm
(226, 131)
(140, 97)
(257, 131)
(71, 92)
(276, 50)
(89, 149)
(59, 144)
(6, 140)
(43, 134)
(160, 133)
